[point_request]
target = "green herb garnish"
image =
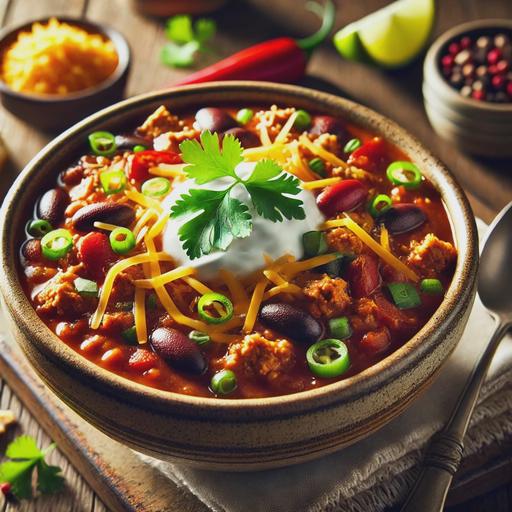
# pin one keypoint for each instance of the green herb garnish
(25, 456)
(186, 40)
(224, 218)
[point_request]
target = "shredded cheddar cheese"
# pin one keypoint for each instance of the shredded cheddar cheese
(387, 256)
(147, 202)
(163, 279)
(140, 315)
(105, 226)
(310, 185)
(282, 288)
(198, 286)
(322, 153)
(292, 269)
(285, 130)
(254, 306)
(236, 290)
(384, 238)
(143, 220)
(168, 170)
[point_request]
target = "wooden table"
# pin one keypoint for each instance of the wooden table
(396, 94)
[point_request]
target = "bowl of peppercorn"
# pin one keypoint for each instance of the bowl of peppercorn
(467, 87)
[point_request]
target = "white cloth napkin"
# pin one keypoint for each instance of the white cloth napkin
(375, 472)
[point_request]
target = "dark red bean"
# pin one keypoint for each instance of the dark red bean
(31, 250)
(112, 213)
(341, 197)
(129, 141)
(51, 206)
(72, 176)
(363, 275)
(292, 322)
(177, 350)
(214, 119)
(327, 124)
(402, 218)
(247, 138)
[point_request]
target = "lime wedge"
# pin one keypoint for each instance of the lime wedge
(391, 36)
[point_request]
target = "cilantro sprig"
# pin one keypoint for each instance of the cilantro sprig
(186, 40)
(220, 217)
(25, 457)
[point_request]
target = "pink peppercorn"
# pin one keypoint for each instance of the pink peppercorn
(465, 42)
(494, 56)
(502, 66)
(447, 61)
(509, 88)
(498, 81)
(454, 48)
(478, 95)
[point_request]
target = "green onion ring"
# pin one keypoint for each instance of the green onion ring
(328, 358)
(375, 206)
(405, 174)
(156, 187)
(56, 244)
(113, 181)
(102, 143)
(207, 300)
(122, 240)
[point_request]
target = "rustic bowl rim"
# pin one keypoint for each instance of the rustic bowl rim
(119, 41)
(374, 377)
(432, 73)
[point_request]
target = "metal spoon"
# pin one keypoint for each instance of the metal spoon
(444, 453)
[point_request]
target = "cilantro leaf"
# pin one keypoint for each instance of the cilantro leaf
(25, 457)
(179, 29)
(179, 56)
(267, 186)
(49, 478)
(208, 163)
(222, 219)
(204, 29)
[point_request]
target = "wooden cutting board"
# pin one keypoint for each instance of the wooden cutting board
(126, 484)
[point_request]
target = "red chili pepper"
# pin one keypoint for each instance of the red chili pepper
(144, 160)
(279, 60)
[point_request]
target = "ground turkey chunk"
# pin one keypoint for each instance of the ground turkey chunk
(329, 296)
(431, 256)
(160, 121)
(257, 356)
(60, 298)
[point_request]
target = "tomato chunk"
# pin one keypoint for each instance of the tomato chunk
(363, 275)
(142, 360)
(144, 160)
(370, 155)
(96, 254)
(376, 342)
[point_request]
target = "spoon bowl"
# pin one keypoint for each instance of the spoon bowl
(495, 275)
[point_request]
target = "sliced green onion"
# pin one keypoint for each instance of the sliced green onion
(201, 338)
(152, 301)
(156, 187)
(314, 243)
(208, 299)
(38, 228)
(223, 382)
(56, 244)
(86, 287)
(317, 165)
(113, 181)
(138, 148)
(130, 335)
(340, 327)
(102, 143)
(404, 295)
(380, 204)
(405, 174)
(352, 145)
(328, 358)
(302, 121)
(122, 240)
(433, 286)
(244, 115)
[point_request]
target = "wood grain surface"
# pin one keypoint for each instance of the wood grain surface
(241, 23)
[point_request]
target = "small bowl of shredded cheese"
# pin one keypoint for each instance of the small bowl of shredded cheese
(53, 71)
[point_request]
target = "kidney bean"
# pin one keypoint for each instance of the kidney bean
(51, 206)
(31, 250)
(214, 119)
(247, 138)
(402, 218)
(341, 197)
(95, 252)
(181, 353)
(363, 275)
(72, 175)
(328, 124)
(291, 322)
(129, 141)
(113, 213)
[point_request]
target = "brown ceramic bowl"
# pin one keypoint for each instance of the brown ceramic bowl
(53, 113)
(236, 434)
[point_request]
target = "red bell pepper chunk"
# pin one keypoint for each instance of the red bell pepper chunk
(363, 276)
(96, 253)
(142, 360)
(341, 197)
(144, 160)
(376, 342)
(369, 155)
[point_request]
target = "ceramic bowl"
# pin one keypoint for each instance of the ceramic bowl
(53, 113)
(478, 127)
(235, 434)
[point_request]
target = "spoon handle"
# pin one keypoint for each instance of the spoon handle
(444, 453)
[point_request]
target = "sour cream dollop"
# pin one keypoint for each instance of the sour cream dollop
(244, 255)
